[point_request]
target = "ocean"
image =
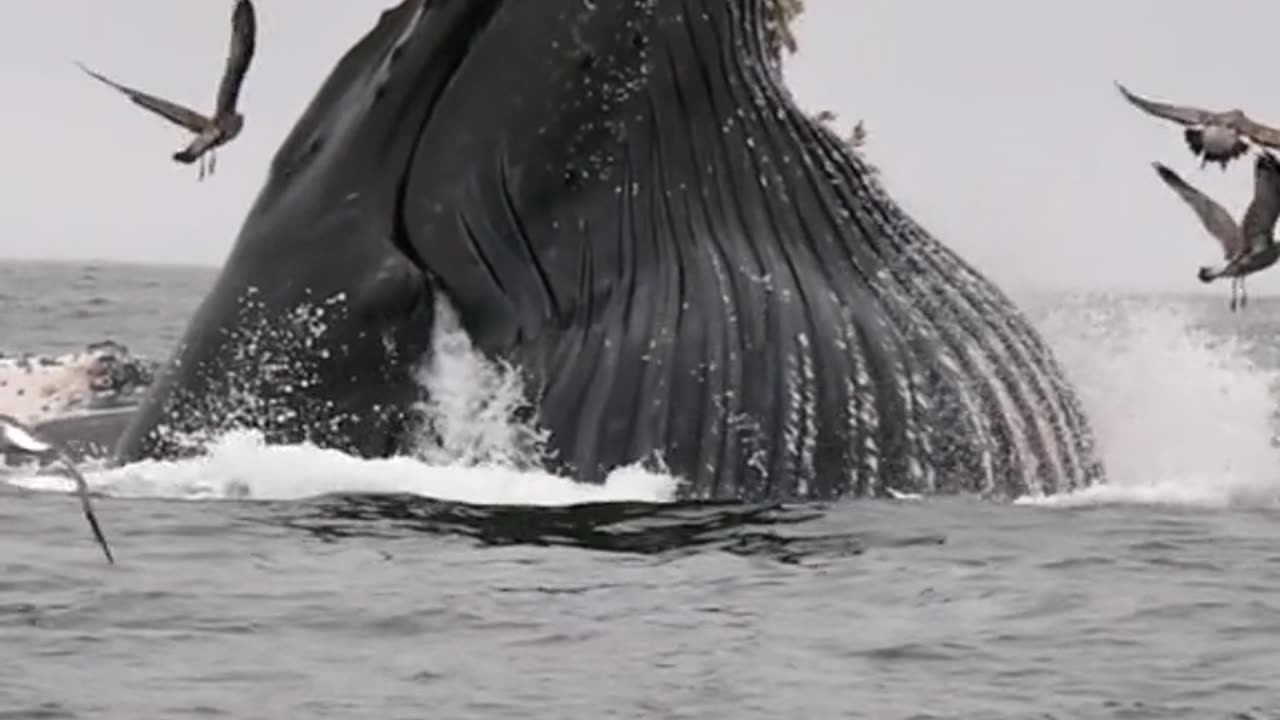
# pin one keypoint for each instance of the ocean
(279, 582)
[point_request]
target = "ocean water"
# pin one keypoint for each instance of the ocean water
(266, 582)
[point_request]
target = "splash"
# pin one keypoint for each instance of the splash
(241, 466)
(279, 352)
(476, 411)
(1183, 415)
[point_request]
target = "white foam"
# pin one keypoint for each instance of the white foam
(1181, 417)
(470, 415)
(241, 466)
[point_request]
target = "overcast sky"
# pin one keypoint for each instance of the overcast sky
(994, 121)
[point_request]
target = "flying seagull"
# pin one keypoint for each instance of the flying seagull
(1212, 136)
(226, 123)
(18, 439)
(1249, 246)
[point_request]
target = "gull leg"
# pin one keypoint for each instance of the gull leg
(200, 168)
(213, 160)
(1244, 294)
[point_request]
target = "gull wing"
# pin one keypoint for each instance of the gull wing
(82, 490)
(1183, 115)
(244, 30)
(1260, 218)
(1212, 215)
(1261, 134)
(16, 435)
(173, 112)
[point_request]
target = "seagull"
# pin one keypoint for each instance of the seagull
(226, 123)
(16, 438)
(1212, 136)
(1249, 246)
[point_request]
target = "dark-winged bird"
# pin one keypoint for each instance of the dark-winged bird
(1212, 136)
(226, 123)
(18, 439)
(1249, 246)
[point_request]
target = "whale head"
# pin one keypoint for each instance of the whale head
(374, 206)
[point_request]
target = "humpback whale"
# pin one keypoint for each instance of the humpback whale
(621, 201)
(104, 375)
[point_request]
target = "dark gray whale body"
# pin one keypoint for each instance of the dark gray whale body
(620, 199)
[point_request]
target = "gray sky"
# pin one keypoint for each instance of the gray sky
(994, 121)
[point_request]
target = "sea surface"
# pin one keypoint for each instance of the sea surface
(265, 582)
